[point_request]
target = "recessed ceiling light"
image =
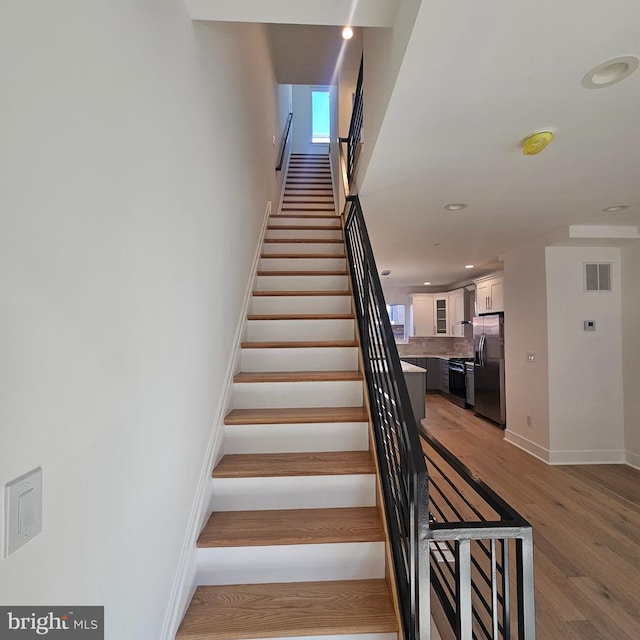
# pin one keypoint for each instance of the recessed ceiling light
(347, 33)
(427, 283)
(456, 206)
(617, 207)
(610, 72)
(468, 266)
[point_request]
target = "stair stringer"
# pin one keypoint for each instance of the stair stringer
(185, 580)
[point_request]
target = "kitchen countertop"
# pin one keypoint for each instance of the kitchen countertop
(411, 368)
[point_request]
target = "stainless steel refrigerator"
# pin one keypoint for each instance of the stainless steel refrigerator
(488, 370)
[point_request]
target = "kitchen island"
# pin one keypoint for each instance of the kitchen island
(416, 379)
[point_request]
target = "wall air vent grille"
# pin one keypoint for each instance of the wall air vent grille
(597, 276)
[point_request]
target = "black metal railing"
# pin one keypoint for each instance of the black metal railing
(448, 531)
(481, 553)
(354, 139)
(285, 139)
(402, 466)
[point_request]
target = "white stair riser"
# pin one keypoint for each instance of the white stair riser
(303, 264)
(326, 248)
(300, 359)
(290, 563)
(304, 221)
(302, 283)
(334, 234)
(296, 492)
(300, 304)
(280, 395)
(299, 330)
(296, 438)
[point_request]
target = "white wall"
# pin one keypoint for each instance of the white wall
(631, 352)
(526, 383)
(585, 367)
(136, 166)
(384, 50)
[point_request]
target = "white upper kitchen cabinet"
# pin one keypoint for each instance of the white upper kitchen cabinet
(490, 294)
(441, 318)
(422, 315)
(456, 313)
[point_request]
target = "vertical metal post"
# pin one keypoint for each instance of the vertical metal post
(423, 570)
(526, 589)
(506, 593)
(464, 628)
(494, 590)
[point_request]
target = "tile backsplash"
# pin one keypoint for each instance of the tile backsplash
(462, 347)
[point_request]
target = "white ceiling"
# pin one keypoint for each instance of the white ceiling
(476, 79)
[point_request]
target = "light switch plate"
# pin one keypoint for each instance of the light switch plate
(23, 510)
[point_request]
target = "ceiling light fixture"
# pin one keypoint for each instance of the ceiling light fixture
(385, 272)
(347, 33)
(455, 206)
(427, 283)
(615, 208)
(468, 266)
(610, 72)
(536, 142)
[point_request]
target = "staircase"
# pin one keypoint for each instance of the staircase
(295, 546)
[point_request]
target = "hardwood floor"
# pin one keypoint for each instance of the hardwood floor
(586, 527)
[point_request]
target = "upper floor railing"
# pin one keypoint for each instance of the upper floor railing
(354, 140)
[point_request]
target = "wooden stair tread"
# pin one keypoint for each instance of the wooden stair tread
(297, 376)
(301, 227)
(329, 189)
(296, 256)
(303, 273)
(302, 344)
(291, 215)
(302, 293)
(304, 240)
(300, 415)
(289, 609)
(271, 465)
(292, 526)
(301, 316)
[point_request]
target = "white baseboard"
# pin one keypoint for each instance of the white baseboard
(613, 456)
(632, 459)
(527, 445)
(185, 580)
(567, 457)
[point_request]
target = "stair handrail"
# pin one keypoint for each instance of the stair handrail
(285, 139)
(353, 140)
(449, 533)
(402, 467)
